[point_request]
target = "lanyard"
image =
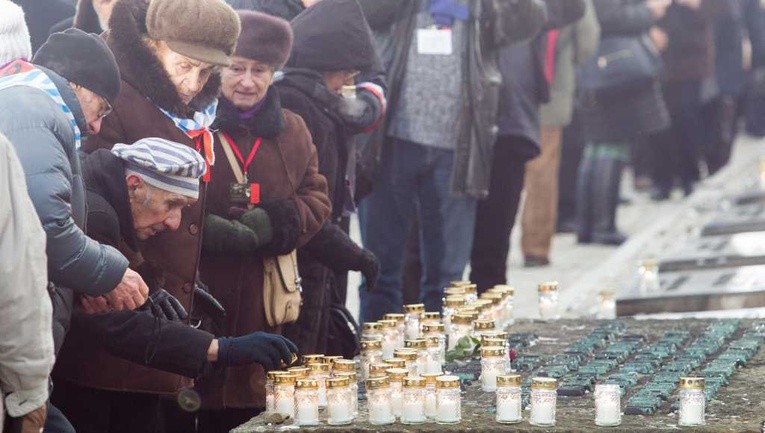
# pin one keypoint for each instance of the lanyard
(238, 153)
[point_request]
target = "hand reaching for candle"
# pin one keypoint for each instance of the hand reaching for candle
(269, 350)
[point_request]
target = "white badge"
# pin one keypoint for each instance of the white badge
(434, 41)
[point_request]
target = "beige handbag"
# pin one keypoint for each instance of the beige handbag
(281, 279)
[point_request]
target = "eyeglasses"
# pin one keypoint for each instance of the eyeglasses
(106, 111)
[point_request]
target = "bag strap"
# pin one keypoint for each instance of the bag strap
(238, 174)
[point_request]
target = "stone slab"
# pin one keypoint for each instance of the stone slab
(709, 252)
(738, 219)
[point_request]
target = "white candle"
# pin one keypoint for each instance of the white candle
(396, 400)
(307, 414)
(285, 405)
(509, 408)
(548, 308)
(412, 329)
(543, 412)
(388, 346)
(692, 408)
(270, 407)
(413, 412)
(433, 366)
(431, 408)
(608, 405)
(339, 412)
(322, 392)
(448, 410)
(489, 379)
(379, 413)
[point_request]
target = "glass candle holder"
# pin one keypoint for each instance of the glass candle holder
(548, 301)
(481, 326)
(353, 390)
(509, 401)
(606, 305)
(378, 401)
(343, 366)
(371, 353)
(378, 369)
(436, 350)
(461, 327)
(648, 276)
(431, 406)
(429, 317)
(312, 358)
(339, 402)
(400, 327)
(410, 357)
(389, 337)
(284, 394)
(413, 401)
(371, 331)
(396, 380)
(448, 400)
(470, 289)
(544, 397)
(692, 402)
(451, 303)
(493, 364)
(395, 363)
(483, 306)
(271, 389)
(608, 409)
(421, 345)
(320, 373)
(436, 330)
(306, 402)
(412, 313)
(495, 311)
(507, 303)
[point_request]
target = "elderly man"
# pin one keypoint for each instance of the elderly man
(135, 192)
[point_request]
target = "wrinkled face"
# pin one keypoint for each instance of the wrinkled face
(94, 107)
(189, 76)
(335, 80)
(104, 9)
(154, 210)
(246, 82)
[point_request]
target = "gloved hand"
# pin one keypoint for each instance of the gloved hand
(205, 304)
(223, 236)
(370, 268)
(259, 222)
(165, 306)
(268, 350)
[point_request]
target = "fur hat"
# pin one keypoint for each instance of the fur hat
(14, 34)
(264, 38)
(205, 30)
(82, 58)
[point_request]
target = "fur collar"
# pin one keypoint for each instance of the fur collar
(266, 123)
(142, 69)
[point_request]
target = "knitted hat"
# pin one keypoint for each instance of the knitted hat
(165, 164)
(83, 59)
(264, 38)
(14, 34)
(205, 30)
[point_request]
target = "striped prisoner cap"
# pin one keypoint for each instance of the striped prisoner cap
(164, 164)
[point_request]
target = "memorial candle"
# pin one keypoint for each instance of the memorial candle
(509, 403)
(448, 400)
(692, 402)
(608, 412)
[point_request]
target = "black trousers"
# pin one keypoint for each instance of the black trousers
(572, 150)
(97, 411)
(495, 216)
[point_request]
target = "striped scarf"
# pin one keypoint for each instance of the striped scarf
(30, 76)
(198, 129)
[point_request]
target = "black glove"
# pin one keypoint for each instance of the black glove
(223, 236)
(370, 268)
(163, 305)
(268, 350)
(205, 304)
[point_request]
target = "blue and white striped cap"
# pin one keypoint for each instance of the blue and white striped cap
(164, 164)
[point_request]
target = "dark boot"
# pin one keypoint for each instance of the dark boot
(584, 196)
(605, 189)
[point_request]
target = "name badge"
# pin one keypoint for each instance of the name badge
(434, 41)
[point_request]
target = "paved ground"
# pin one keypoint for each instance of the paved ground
(654, 228)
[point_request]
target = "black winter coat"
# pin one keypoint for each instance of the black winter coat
(286, 9)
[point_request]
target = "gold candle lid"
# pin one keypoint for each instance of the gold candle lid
(454, 291)
(414, 382)
(307, 359)
(398, 317)
(433, 341)
(461, 283)
(318, 368)
(406, 354)
(351, 375)
(649, 264)
(692, 382)
(338, 382)
(504, 288)
(377, 370)
(495, 298)
(447, 382)
(331, 360)
(272, 374)
(285, 379)
(387, 323)
(509, 380)
(502, 335)
(492, 352)
(454, 301)
(544, 383)
(430, 378)
(396, 374)
(463, 319)
(396, 362)
(433, 327)
(471, 289)
(491, 341)
(344, 365)
(551, 286)
(370, 327)
(431, 316)
(372, 344)
(607, 294)
(418, 343)
(377, 382)
(300, 372)
(482, 325)
(307, 384)
(414, 308)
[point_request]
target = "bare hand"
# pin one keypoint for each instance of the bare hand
(97, 305)
(129, 294)
(659, 38)
(658, 7)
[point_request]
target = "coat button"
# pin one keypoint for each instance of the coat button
(188, 287)
(194, 229)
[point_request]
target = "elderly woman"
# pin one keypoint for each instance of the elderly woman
(269, 151)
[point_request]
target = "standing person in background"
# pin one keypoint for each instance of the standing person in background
(614, 118)
(91, 16)
(436, 155)
(42, 15)
(576, 43)
(272, 148)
